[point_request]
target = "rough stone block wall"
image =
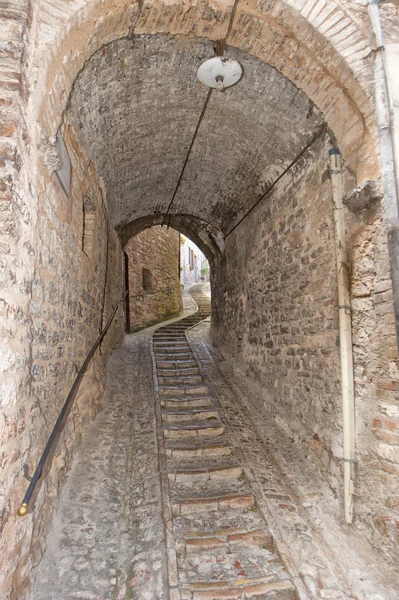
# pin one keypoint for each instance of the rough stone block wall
(275, 314)
(376, 366)
(68, 297)
(155, 249)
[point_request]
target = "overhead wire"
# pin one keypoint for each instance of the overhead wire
(220, 49)
(315, 137)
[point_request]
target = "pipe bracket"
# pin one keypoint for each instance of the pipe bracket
(25, 469)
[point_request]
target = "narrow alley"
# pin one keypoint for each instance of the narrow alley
(199, 300)
(175, 492)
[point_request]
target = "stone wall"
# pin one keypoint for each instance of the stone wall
(330, 42)
(156, 250)
(275, 315)
(52, 297)
(68, 296)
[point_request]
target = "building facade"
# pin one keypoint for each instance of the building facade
(153, 277)
(194, 266)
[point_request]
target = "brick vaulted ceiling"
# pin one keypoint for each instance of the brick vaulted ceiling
(135, 107)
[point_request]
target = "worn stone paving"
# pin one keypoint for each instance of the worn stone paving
(329, 558)
(219, 545)
(101, 546)
(175, 496)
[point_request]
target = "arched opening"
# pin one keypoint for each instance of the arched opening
(162, 265)
(244, 175)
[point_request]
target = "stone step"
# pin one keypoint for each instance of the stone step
(180, 326)
(205, 503)
(211, 523)
(178, 347)
(166, 342)
(182, 380)
(161, 355)
(166, 345)
(194, 429)
(172, 330)
(167, 364)
(257, 588)
(238, 568)
(187, 390)
(190, 450)
(191, 474)
(188, 321)
(174, 416)
(177, 372)
(192, 322)
(186, 402)
(228, 539)
(205, 463)
(170, 337)
(227, 486)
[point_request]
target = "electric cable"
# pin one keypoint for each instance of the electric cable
(220, 48)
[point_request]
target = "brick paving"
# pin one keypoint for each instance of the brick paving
(218, 543)
(325, 556)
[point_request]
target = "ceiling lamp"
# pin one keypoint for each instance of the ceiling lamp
(220, 72)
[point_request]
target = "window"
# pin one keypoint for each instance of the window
(147, 279)
(191, 258)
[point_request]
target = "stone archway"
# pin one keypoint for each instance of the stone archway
(322, 50)
(135, 109)
(319, 56)
(208, 239)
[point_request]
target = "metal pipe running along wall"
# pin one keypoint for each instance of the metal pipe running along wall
(345, 334)
(387, 155)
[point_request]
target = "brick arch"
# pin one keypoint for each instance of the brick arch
(320, 49)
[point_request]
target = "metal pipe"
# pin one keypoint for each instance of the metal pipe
(387, 157)
(345, 333)
(23, 509)
(127, 304)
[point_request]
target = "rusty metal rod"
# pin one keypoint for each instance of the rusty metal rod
(23, 509)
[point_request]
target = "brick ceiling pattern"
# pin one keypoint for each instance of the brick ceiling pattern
(135, 107)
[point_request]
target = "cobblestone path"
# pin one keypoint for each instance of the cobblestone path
(174, 493)
(218, 544)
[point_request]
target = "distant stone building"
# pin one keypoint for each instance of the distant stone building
(153, 281)
(194, 266)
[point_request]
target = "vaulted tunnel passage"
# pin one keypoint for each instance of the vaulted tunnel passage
(246, 175)
(135, 108)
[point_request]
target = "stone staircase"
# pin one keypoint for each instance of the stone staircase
(219, 545)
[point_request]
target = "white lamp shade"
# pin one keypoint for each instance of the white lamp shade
(217, 67)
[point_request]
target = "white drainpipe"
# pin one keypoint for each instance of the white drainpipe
(387, 156)
(345, 333)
